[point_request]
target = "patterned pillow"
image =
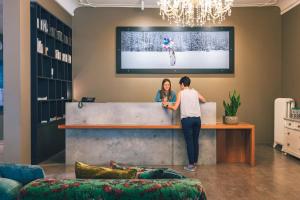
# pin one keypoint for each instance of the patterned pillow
(21, 173)
(9, 189)
(84, 171)
(163, 173)
(121, 166)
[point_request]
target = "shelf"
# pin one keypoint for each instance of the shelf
(292, 119)
(51, 78)
(53, 37)
(52, 122)
(54, 79)
(51, 57)
(55, 100)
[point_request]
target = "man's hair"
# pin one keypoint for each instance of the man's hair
(186, 81)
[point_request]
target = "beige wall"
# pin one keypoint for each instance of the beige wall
(257, 62)
(1, 16)
(17, 111)
(1, 31)
(16, 42)
(290, 53)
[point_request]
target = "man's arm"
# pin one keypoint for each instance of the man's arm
(201, 98)
(176, 105)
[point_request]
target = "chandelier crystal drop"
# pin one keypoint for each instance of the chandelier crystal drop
(195, 12)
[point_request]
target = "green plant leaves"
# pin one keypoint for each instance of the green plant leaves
(231, 108)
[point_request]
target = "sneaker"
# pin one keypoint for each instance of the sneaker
(190, 169)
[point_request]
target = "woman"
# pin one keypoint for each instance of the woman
(165, 94)
(190, 114)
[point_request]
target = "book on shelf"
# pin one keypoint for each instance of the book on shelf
(42, 98)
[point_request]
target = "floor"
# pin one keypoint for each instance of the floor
(276, 176)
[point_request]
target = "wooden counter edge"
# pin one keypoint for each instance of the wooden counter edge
(112, 126)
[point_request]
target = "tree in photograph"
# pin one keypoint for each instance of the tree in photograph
(139, 41)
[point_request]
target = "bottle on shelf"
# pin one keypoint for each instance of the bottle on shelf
(52, 31)
(38, 23)
(46, 51)
(44, 25)
(57, 54)
(40, 46)
(69, 59)
(52, 72)
(59, 35)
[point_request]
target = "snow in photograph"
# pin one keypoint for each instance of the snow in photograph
(175, 50)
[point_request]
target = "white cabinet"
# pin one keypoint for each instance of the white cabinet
(292, 137)
(281, 111)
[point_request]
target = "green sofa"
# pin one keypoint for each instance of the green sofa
(25, 182)
(113, 189)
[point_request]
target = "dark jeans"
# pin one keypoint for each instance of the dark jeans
(191, 129)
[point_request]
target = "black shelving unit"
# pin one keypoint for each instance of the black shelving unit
(51, 82)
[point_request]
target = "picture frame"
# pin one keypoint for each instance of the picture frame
(175, 50)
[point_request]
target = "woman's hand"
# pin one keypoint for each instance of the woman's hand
(165, 104)
(172, 106)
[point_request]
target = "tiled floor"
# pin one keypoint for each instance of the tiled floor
(276, 176)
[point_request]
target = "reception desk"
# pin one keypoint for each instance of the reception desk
(147, 134)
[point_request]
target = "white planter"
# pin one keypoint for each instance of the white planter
(231, 120)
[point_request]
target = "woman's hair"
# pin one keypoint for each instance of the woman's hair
(186, 81)
(164, 93)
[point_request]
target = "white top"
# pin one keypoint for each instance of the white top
(189, 103)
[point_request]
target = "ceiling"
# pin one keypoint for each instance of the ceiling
(153, 3)
(71, 5)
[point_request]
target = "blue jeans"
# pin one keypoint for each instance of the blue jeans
(191, 129)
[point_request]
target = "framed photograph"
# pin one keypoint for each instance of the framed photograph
(175, 50)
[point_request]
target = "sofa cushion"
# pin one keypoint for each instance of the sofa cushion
(94, 172)
(21, 173)
(133, 189)
(9, 189)
(163, 173)
(149, 173)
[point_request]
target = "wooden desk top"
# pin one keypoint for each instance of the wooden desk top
(241, 125)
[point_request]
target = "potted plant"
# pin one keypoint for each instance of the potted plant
(231, 108)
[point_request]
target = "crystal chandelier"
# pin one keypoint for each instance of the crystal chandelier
(194, 12)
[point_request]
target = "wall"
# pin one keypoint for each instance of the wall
(17, 130)
(290, 53)
(1, 16)
(16, 28)
(52, 7)
(257, 63)
(1, 31)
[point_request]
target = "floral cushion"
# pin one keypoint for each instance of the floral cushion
(93, 172)
(125, 189)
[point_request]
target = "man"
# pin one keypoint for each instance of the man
(190, 115)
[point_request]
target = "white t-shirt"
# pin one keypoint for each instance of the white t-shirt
(189, 103)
